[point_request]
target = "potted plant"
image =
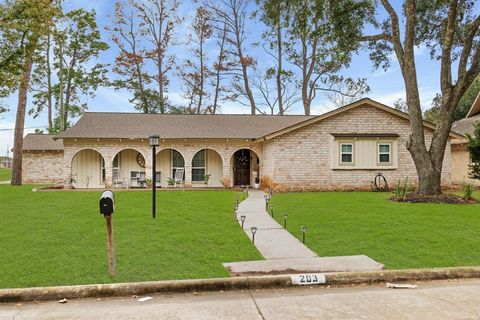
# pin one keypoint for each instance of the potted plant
(148, 182)
(206, 178)
(170, 182)
(257, 183)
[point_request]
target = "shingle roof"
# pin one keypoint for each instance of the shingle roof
(465, 125)
(139, 125)
(39, 142)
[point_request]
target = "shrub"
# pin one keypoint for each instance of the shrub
(402, 189)
(467, 190)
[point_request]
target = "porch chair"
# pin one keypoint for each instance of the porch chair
(179, 177)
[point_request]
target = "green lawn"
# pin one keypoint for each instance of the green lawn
(400, 235)
(5, 174)
(58, 238)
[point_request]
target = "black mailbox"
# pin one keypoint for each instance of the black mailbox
(107, 202)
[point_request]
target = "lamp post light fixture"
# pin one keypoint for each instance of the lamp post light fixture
(243, 220)
(154, 143)
(253, 230)
(304, 230)
(285, 216)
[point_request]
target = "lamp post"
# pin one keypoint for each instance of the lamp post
(243, 220)
(285, 216)
(271, 210)
(154, 142)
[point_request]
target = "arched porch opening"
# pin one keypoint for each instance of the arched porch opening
(88, 170)
(207, 169)
(245, 168)
(168, 162)
(129, 169)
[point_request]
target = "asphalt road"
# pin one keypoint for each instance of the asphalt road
(431, 300)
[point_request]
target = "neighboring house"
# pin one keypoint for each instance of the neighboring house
(6, 162)
(341, 149)
(460, 154)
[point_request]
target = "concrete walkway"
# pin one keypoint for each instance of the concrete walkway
(283, 252)
(271, 239)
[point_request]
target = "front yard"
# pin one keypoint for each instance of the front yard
(400, 235)
(5, 174)
(59, 238)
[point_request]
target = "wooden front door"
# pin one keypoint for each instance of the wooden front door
(241, 167)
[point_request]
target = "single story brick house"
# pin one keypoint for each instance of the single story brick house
(460, 154)
(341, 149)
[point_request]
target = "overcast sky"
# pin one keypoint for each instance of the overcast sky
(386, 86)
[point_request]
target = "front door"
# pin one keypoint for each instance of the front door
(241, 167)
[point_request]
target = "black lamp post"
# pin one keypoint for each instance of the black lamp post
(154, 142)
(285, 216)
(243, 220)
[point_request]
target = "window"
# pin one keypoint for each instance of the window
(198, 166)
(103, 169)
(346, 153)
(116, 168)
(177, 162)
(384, 153)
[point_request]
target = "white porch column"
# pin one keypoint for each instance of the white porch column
(227, 174)
(188, 175)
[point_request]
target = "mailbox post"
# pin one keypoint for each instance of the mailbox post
(107, 205)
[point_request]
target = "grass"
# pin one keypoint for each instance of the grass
(59, 238)
(399, 235)
(5, 174)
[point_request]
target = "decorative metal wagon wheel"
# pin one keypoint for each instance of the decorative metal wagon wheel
(379, 183)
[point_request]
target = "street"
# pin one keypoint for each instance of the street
(431, 300)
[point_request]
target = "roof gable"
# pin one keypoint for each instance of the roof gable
(475, 108)
(362, 102)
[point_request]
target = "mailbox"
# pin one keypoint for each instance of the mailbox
(107, 202)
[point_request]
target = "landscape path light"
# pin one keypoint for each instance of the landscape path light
(285, 216)
(154, 143)
(304, 230)
(253, 230)
(271, 210)
(243, 220)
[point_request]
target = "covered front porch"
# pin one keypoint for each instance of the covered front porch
(187, 165)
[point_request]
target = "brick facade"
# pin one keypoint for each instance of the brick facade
(42, 167)
(298, 160)
(302, 159)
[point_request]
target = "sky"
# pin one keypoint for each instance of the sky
(386, 85)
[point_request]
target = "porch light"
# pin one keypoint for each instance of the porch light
(253, 230)
(154, 142)
(243, 220)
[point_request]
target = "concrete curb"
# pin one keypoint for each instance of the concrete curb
(236, 283)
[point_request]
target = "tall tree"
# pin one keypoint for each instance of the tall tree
(233, 14)
(143, 32)
(22, 24)
(222, 64)
(450, 29)
(73, 47)
(195, 71)
(315, 43)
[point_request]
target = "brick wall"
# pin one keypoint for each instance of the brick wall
(42, 167)
(302, 159)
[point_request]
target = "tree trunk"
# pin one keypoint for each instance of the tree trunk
(21, 108)
(279, 69)
(429, 178)
(49, 87)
